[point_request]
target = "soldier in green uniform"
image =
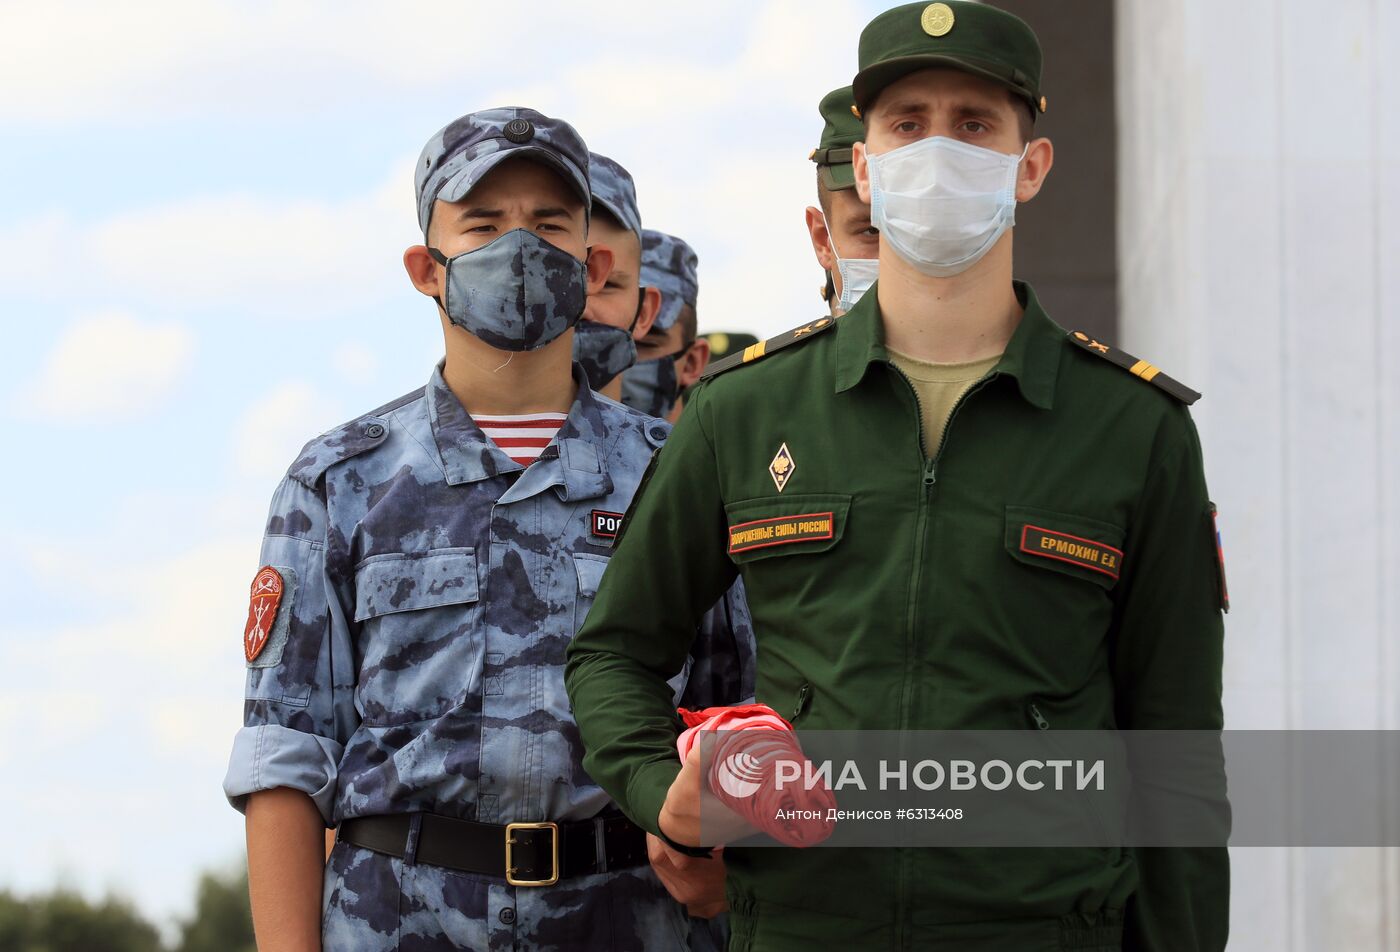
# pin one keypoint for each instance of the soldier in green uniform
(935, 436)
(843, 240)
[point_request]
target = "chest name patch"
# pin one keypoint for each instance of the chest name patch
(604, 524)
(761, 533)
(1073, 549)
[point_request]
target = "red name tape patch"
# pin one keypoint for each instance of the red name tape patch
(264, 597)
(604, 523)
(1073, 549)
(780, 530)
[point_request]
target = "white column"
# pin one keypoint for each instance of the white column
(1259, 197)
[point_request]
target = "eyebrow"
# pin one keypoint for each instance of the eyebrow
(479, 212)
(977, 111)
(963, 110)
(905, 107)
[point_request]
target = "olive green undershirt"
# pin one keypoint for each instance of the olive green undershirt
(939, 386)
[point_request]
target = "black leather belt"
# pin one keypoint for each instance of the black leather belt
(526, 854)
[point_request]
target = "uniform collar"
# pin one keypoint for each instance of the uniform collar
(1032, 355)
(576, 460)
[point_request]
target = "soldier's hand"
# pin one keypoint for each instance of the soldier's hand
(694, 881)
(692, 815)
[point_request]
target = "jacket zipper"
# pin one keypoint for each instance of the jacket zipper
(927, 484)
(1041, 723)
(802, 694)
(930, 470)
(930, 476)
(901, 899)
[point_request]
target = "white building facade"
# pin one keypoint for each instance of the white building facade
(1258, 212)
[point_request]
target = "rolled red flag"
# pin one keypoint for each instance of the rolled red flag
(743, 772)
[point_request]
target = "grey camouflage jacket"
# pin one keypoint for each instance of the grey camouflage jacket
(430, 587)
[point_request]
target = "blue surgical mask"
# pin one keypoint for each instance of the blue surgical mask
(857, 274)
(942, 204)
(651, 386)
(518, 293)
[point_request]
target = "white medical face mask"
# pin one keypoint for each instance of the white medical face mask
(941, 203)
(857, 274)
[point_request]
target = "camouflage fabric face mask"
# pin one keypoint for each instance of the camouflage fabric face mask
(517, 293)
(651, 386)
(603, 351)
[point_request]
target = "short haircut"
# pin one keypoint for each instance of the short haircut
(601, 213)
(1025, 118)
(824, 199)
(823, 195)
(689, 326)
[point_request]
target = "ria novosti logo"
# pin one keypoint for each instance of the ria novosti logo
(740, 774)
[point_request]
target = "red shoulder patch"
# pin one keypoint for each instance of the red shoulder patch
(264, 597)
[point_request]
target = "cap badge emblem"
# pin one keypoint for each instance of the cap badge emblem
(937, 19)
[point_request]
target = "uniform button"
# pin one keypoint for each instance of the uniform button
(507, 915)
(519, 130)
(657, 433)
(374, 431)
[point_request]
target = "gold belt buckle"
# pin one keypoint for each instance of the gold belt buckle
(553, 847)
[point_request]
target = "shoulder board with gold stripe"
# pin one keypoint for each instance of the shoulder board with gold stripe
(1136, 367)
(765, 347)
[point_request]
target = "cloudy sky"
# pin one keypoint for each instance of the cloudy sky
(202, 209)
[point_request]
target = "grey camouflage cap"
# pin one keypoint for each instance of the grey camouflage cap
(669, 265)
(460, 154)
(614, 190)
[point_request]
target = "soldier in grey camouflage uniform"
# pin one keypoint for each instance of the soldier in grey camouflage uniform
(605, 340)
(406, 633)
(671, 357)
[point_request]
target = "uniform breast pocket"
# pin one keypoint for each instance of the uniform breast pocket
(420, 641)
(792, 525)
(1057, 606)
(589, 569)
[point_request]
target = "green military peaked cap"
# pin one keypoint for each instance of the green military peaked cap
(724, 343)
(973, 37)
(842, 130)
